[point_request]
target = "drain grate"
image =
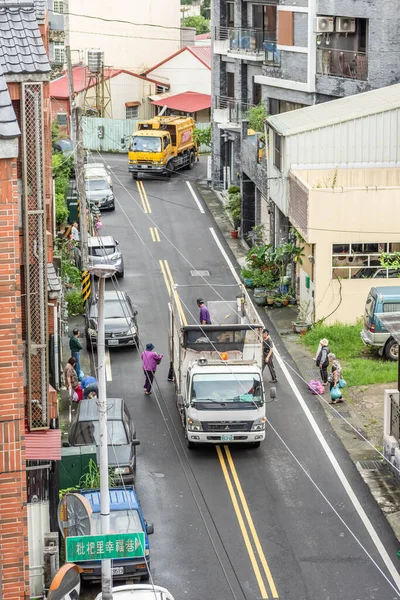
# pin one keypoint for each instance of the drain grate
(199, 273)
(370, 465)
(344, 414)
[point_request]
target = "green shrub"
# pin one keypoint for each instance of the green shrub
(256, 116)
(234, 189)
(202, 137)
(75, 303)
(234, 208)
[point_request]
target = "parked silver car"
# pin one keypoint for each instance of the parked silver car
(96, 170)
(120, 321)
(98, 188)
(104, 250)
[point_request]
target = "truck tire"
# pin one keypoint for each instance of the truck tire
(256, 444)
(391, 350)
(170, 168)
(189, 445)
(191, 161)
(134, 176)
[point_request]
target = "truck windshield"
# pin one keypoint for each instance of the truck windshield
(145, 143)
(229, 388)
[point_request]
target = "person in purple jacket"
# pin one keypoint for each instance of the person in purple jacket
(150, 360)
(205, 318)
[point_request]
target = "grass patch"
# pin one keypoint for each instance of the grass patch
(361, 365)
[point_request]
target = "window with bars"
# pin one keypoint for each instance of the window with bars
(277, 151)
(59, 53)
(62, 119)
(58, 7)
(362, 260)
(132, 112)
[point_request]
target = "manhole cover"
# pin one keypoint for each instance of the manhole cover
(344, 414)
(199, 273)
(370, 465)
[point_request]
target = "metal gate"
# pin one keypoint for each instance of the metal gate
(33, 180)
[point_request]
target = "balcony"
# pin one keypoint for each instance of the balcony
(342, 63)
(229, 112)
(250, 44)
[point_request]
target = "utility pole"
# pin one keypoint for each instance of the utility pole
(77, 141)
(102, 271)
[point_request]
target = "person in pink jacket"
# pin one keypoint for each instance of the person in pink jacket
(150, 360)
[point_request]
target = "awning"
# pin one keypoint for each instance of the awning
(43, 445)
(156, 97)
(135, 103)
(188, 102)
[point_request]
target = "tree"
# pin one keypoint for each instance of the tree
(201, 24)
(256, 116)
(202, 136)
(186, 2)
(205, 9)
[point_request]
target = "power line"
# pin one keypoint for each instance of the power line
(123, 21)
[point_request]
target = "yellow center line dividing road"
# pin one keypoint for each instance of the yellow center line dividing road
(242, 526)
(155, 236)
(169, 282)
(249, 518)
(143, 197)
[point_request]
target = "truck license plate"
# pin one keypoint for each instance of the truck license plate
(226, 438)
(118, 571)
(113, 342)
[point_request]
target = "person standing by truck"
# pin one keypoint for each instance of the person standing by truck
(150, 361)
(268, 353)
(205, 318)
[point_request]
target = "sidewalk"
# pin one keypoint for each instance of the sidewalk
(363, 408)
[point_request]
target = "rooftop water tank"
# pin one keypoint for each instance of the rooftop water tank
(95, 60)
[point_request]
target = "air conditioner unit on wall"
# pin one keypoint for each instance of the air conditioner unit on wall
(324, 24)
(345, 24)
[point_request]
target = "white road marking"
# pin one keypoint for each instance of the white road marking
(199, 206)
(339, 472)
(108, 366)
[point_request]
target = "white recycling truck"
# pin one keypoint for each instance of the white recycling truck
(218, 373)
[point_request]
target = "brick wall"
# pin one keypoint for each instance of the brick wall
(60, 106)
(13, 512)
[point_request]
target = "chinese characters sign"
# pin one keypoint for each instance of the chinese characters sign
(99, 547)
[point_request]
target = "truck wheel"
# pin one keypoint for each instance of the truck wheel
(392, 350)
(170, 168)
(190, 445)
(134, 176)
(256, 444)
(191, 161)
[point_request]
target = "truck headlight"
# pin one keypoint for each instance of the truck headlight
(194, 425)
(147, 552)
(259, 424)
(122, 470)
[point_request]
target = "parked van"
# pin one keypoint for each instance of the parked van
(384, 299)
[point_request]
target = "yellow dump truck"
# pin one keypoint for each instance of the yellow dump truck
(162, 145)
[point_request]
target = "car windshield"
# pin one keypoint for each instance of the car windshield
(96, 184)
(87, 433)
(103, 251)
(121, 521)
(226, 388)
(115, 309)
(145, 144)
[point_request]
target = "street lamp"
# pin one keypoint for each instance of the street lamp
(103, 271)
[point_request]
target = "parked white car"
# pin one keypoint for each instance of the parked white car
(139, 591)
(96, 170)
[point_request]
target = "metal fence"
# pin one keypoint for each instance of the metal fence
(33, 177)
(112, 130)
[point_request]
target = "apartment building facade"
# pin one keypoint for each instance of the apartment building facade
(289, 55)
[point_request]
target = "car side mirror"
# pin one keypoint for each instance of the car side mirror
(117, 242)
(84, 315)
(149, 528)
(272, 393)
(135, 443)
(135, 313)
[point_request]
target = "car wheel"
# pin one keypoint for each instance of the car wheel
(120, 274)
(392, 350)
(112, 207)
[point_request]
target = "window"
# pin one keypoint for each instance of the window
(58, 7)
(362, 260)
(256, 93)
(59, 53)
(277, 151)
(276, 107)
(230, 85)
(230, 14)
(161, 89)
(62, 119)
(132, 112)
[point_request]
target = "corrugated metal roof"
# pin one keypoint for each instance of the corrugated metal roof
(337, 111)
(53, 282)
(190, 102)
(43, 445)
(8, 123)
(203, 53)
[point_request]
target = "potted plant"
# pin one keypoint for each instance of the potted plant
(278, 301)
(247, 276)
(234, 209)
(301, 325)
(285, 299)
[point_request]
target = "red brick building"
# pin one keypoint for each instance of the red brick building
(29, 438)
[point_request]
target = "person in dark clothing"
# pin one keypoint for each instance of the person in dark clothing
(75, 346)
(323, 361)
(205, 318)
(268, 353)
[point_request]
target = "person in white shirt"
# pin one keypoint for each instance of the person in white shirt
(75, 232)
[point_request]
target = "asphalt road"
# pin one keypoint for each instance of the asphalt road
(273, 522)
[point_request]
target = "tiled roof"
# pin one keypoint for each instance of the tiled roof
(8, 122)
(21, 45)
(40, 9)
(53, 282)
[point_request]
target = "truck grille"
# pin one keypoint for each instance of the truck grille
(224, 426)
(144, 162)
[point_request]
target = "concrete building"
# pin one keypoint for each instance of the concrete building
(30, 443)
(289, 55)
(133, 35)
(335, 174)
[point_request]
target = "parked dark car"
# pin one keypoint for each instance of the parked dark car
(64, 146)
(120, 321)
(104, 249)
(98, 188)
(122, 441)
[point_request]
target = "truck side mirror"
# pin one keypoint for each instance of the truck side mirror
(180, 400)
(135, 443)
(149, 528)
(272, 393)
